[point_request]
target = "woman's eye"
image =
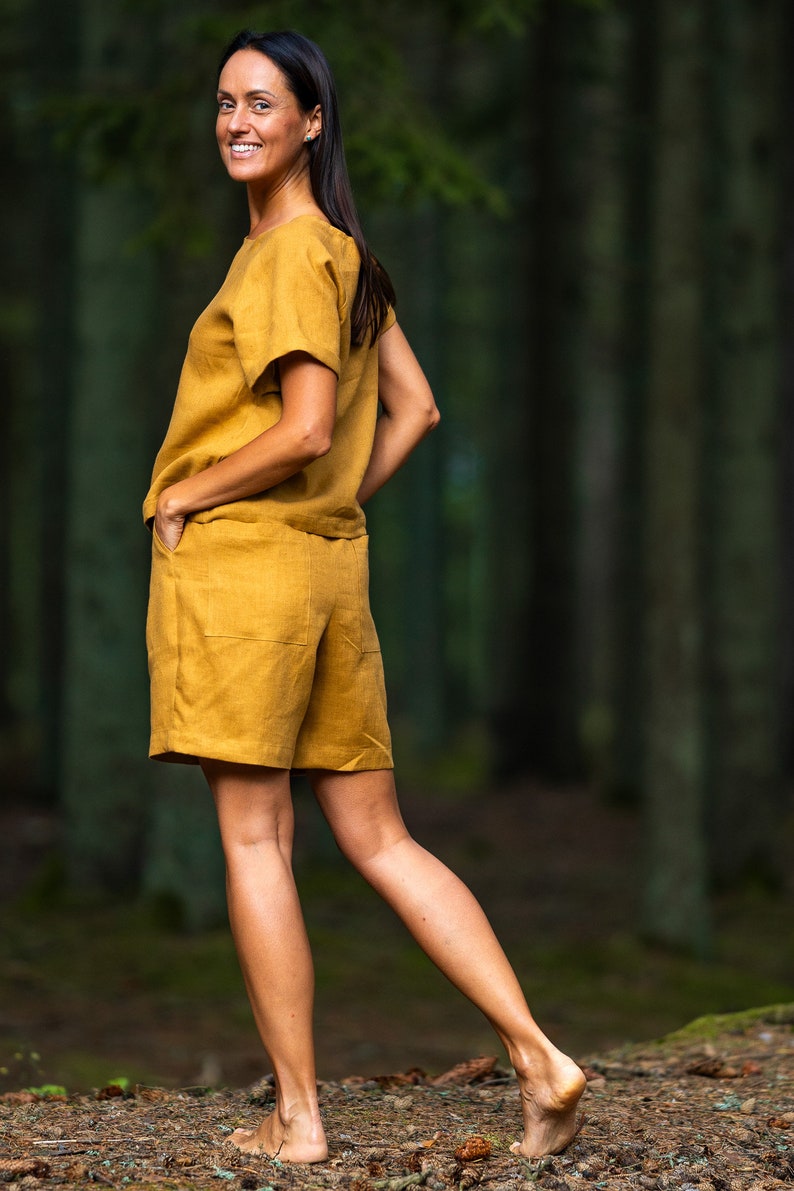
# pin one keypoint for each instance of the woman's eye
(261, 105)
(224, 105)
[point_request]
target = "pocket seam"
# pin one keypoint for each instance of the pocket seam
(293, 628)
(363, 598)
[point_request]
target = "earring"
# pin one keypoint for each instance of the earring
(309, 137)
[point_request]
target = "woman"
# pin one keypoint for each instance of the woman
(263, 655)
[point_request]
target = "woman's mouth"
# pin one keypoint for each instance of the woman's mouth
(243, 150)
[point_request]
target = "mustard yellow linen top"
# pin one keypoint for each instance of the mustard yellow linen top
(289, 289)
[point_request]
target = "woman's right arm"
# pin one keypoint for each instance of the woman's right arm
(302, 434)
(408, 411)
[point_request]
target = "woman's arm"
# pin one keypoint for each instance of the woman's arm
(303, 433)
(409, 411)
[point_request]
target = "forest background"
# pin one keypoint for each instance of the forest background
(584, 580)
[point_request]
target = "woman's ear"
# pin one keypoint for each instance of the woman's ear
(315, 123)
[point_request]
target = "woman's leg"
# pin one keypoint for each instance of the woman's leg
(256, 821)
(449, 925)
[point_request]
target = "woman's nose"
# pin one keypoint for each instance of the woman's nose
(238, 120)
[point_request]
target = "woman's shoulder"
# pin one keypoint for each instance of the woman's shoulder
(307, 246)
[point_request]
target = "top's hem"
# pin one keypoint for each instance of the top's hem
(268, 514)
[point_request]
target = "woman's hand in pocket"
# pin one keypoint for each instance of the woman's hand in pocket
(169, 524)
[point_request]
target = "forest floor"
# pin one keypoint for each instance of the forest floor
(97, 995)
(709, 1109)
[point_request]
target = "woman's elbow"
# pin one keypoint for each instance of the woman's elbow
(427, 414)
(422, 420)
(315, 442)
(314, 446)
(305, 441)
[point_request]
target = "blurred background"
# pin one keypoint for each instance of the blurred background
(583, 581)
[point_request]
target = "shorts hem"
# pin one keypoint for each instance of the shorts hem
(362, 762)
(185, 753)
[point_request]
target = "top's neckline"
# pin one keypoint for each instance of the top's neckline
(287, 222)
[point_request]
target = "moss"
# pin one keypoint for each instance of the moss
(714, 1025)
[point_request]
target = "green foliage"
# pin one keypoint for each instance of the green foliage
(158, 131)
(487, 16)
(503, 16)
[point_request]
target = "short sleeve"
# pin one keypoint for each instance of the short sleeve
(290, 298)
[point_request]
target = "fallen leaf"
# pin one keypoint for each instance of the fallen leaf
(151, 1094)
(401, 1079)
(20, 1168)
(713, 1069)
(470, 1071)
(416, 1161)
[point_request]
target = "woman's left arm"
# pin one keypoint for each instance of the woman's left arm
(408, 410)
(302, 434)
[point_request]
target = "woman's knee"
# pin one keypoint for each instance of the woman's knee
(366, 847)
(361, 809)
(366, 838)
(253, 805)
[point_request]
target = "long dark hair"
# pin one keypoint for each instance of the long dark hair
(310, 80)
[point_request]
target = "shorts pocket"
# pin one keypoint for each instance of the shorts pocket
(369, 634)
(259, 583)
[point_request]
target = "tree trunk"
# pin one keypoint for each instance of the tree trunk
(787, 417)
(104, 774)
(36, 387)
(602, 444)
(743, 403)
(550, 727)
(676, 900)
(486, 498)
(408, 515)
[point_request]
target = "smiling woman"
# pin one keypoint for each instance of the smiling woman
(299, 398)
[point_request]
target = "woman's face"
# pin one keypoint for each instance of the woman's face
(261, 130)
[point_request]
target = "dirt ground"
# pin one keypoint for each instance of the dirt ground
(708, 1110)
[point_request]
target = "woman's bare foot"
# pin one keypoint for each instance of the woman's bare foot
(550, 1091)
(301, 1139)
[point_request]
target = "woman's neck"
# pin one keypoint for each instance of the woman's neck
(270, 210)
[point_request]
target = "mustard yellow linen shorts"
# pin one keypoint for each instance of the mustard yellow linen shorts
(262, 649)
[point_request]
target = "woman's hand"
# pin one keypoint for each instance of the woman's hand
(168, 524)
